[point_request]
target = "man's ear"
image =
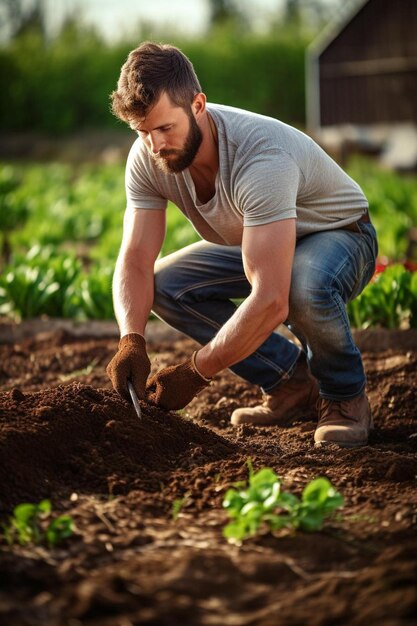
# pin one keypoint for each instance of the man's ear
(199, 104)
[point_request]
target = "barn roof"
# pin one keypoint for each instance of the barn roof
(347, 12)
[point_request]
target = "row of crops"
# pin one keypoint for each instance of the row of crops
(61, 230)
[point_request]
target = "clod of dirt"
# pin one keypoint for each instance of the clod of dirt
(402, 470)
(76, 437)
(17, 395)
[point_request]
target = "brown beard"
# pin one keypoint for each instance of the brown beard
(184, 157)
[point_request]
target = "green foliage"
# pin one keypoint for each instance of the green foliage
(40, 95)
(85, 206)
(389, 301)
(68, 204)
(77, 213)
(263, 503)
(91, 295)
(37, 284)
(45, 282)
(392, 202)
(273, 66)
(30, 524)
(13, 210)
(69, 211)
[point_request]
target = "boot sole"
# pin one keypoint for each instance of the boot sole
(324, 444)
(299, 414)
(288, 421)
(347, 444)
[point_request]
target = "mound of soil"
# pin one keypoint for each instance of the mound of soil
(67, 436)
(76, 437)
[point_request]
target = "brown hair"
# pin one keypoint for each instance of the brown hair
(149, 70)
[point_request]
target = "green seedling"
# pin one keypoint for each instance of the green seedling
(29, 525)
(178, 504)
(59, 529)
(263, 503)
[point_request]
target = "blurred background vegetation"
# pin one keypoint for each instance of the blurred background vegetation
(61, 83)
(61, 220)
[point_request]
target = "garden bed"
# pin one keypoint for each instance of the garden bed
(65, 435)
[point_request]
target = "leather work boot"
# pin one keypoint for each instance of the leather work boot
(346, 423)
(289, 400)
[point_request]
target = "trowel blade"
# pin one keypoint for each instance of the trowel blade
(134, 399)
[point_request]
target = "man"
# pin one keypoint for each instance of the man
(283, 227)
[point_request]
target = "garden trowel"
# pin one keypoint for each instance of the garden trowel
(134, 399)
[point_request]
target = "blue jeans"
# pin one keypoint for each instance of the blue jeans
(195, 288)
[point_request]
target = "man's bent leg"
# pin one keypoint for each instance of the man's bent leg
(194, 289)
(329, 270)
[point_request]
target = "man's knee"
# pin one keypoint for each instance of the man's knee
(173, 282)
(311, 291)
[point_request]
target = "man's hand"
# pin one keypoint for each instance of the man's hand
(130, 361)
(175, 386)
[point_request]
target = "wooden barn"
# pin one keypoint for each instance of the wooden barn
(362, 78)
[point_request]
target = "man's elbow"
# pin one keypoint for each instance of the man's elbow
(135, 261)
(277, 311)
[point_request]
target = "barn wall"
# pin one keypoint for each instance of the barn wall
(368, 73)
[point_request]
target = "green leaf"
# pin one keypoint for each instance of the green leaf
(237, 530)
(252, 509)
(275, 497)
(288, 501)
(59, 529)
(310, 520)
(317, 490)
(44, 506)
(276, 522)
(24, 513)
(233, 500)
(263, 503)
(265, 477)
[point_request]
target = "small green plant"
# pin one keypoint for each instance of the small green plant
(390, 300)
(264, 503)
(30, 524)
(178, 505)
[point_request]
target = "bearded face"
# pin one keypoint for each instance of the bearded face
(173, 161)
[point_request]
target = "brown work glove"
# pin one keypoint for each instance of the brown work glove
(175, 386)
(130, 361)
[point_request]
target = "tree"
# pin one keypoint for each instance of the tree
(226, 12)
(18, 16)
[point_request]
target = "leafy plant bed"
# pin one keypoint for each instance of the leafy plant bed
(146, 500)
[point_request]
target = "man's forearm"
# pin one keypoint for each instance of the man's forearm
(242, 334)
(133, 292)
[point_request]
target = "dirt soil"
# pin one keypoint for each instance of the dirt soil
(66, 435)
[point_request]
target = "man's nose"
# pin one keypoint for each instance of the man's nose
(157, 142)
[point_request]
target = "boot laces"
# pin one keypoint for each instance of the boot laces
(329, 410)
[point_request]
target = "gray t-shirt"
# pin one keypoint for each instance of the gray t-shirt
(268, 171)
